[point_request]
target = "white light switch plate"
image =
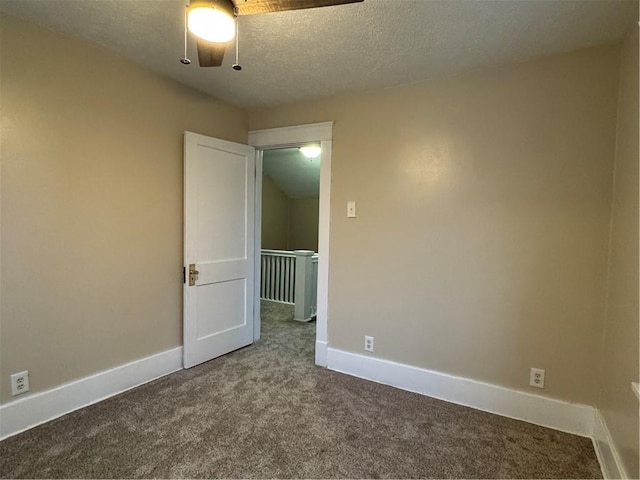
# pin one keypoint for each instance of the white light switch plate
(351, 209)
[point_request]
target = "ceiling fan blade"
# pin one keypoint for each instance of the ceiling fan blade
(251, 7)
(211, 54)
(224, 5)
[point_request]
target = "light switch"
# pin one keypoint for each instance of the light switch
(351, 209)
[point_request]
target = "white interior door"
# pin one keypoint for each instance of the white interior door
(219, 189)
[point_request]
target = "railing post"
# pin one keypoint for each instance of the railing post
(314, 283)
(304, 285)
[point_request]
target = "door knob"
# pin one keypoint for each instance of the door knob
(193, 274)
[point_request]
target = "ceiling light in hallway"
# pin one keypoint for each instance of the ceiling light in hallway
(311, 151)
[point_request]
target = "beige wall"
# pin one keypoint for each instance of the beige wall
(91, 205)
(303, 224)
(480, 246)
(275, 216)
(288, 223)
(618, 404)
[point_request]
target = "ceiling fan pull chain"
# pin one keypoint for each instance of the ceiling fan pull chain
(185, 60)
(236, 66)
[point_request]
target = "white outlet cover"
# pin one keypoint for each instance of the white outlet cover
(368, 343)
(536, 378)
(20, 383)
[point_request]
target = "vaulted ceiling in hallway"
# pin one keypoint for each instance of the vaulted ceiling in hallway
(293, 56)
(294, 174)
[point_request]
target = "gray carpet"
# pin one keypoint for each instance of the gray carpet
(267, 412)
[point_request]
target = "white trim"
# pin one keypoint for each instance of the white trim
(33, 410)
(568, 417)
(257, 222)
(287, 136)
(606, 451)
(324, 224)
(271, 137)
(321, 353)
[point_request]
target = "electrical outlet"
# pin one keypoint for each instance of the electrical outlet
(536, 378)
(368, 344)
(20, 383)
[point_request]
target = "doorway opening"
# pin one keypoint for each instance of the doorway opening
(319, 134)
(289, 243)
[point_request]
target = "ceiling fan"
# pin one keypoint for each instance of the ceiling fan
(214, 23)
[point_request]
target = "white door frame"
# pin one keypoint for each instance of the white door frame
(286, 137)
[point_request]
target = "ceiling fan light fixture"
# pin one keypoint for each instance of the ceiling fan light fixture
(211, 24)
(311, 151)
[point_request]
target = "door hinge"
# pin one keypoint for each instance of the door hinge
(184, 274)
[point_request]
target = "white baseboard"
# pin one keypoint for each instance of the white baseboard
(321, 353)
(32, 410)
(608, 455)
(567, 417)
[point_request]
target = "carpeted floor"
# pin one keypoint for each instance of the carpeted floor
(267, 412)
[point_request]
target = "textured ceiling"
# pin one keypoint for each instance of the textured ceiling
(292, 172)
(291, 56)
